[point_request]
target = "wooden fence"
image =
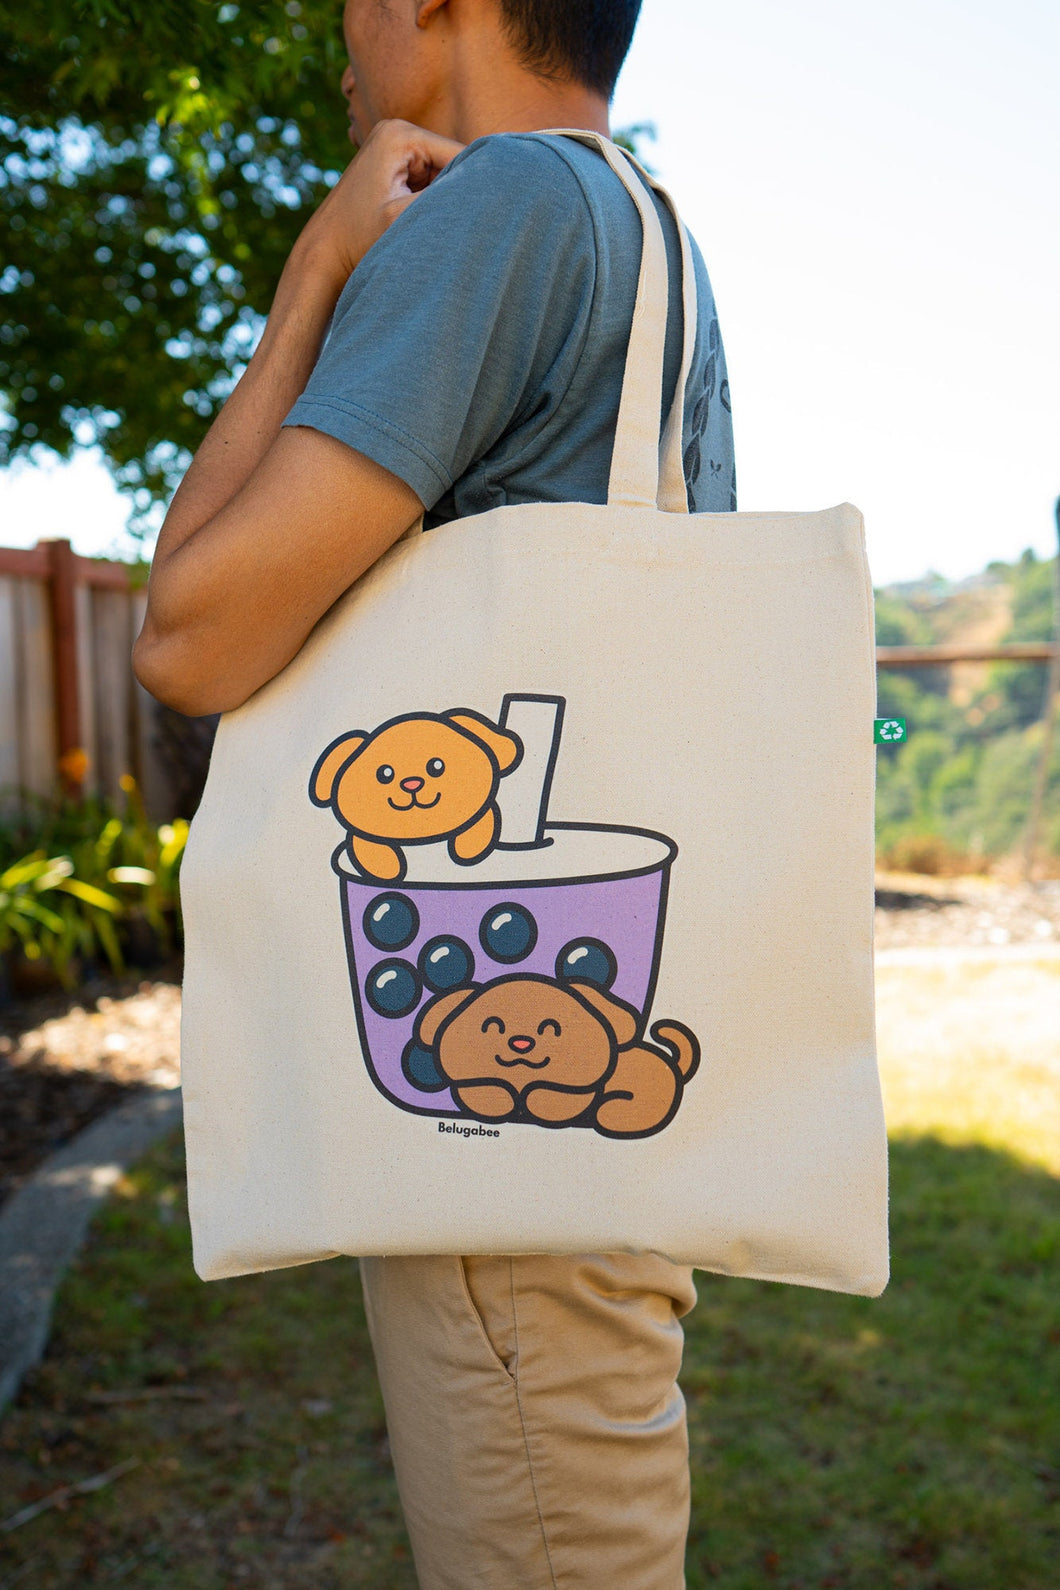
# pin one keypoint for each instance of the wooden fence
(67, 626)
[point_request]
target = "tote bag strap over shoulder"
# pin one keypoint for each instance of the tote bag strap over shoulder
(643, 472)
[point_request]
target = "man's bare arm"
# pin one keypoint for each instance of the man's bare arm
(271, 525)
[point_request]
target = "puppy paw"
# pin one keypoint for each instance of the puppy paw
(476, 841)
(554, 1108)
(385, 863)
(488, 1101)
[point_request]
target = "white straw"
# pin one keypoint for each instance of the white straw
(523, 795)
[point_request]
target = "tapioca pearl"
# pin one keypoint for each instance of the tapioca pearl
(393, 988)
(587, 960)
(508, 933)
(421, 1069)
(446, 963)
(391, 922)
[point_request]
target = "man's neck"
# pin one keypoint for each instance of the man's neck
(477, 104)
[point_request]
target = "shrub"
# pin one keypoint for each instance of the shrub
(83, 883)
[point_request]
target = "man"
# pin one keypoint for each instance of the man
(476, 284)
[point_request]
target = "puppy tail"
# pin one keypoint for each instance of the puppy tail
(682, 1044)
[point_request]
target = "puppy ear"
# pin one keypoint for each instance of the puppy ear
(330, 764)
(506, 747)
(439, 1010)
(620, 1017)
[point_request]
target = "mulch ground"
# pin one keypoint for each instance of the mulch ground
(67, 1058)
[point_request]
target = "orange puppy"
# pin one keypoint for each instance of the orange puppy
(529, 1048)
(413, 780)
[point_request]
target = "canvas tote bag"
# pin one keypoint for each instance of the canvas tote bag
(530, 909)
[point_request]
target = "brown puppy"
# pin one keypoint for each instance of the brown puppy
(530, 1048)
(413, 780)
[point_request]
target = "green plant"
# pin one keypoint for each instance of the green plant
(79, 877)
(50, 915)
(928, 854)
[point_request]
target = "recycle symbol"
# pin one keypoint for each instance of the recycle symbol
(891, 730)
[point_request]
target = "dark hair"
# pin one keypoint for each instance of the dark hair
(584, 40)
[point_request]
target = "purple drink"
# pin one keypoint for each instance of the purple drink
(588, 905)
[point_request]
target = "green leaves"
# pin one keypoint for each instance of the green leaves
(71, 907)
(22, 911)
(156, 164)
(158, 158)
(47, 928)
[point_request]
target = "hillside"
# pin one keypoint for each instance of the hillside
(955, 796)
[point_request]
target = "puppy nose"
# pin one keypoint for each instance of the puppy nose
(412, 784)
(521, 1045)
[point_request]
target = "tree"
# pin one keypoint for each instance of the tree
(157, 161)
(1015, 690)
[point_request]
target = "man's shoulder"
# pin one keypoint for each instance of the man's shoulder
(532, 168)
(531, 154)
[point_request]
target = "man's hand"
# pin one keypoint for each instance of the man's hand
(270, 526)
(395, 163)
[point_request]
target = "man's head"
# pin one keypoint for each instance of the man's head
(464, 67)
(580, 41)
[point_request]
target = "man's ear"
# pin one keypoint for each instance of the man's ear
(620, 1017)
(427, 9)
(507, 748)
(440, 1010)
(331, 763)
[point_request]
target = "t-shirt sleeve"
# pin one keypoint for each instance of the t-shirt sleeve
(474, 300)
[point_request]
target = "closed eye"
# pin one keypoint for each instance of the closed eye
(493, 1021)
(549, 1023)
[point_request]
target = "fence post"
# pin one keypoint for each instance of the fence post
(62, 572)
(1052, 690)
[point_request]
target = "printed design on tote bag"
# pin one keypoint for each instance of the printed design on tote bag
(504, 970)
(414, 780)
(531, 1048)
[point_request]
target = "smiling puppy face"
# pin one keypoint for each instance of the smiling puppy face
(525, 1031)
(416, 778)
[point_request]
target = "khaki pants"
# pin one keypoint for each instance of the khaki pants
(536, 1425)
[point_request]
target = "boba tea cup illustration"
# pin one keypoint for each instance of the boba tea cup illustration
(503, 966)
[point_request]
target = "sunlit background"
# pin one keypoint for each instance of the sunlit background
(875, 190)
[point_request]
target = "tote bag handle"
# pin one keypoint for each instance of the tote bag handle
(644, 471)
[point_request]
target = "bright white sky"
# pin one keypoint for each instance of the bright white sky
(876, 189)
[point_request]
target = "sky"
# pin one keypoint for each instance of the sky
(875, 190)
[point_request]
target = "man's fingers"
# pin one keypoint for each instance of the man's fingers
(418, 153)
(420, 173)
(442, 150)
(395, 163)
(435, 149)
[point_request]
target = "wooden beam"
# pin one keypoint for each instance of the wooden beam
(103, 575)
(34, 563)
(26, 563)
(928, 656)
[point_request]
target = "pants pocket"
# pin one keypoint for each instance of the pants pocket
(487, 1287)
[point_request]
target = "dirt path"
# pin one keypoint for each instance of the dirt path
(980, 912)
(64, 1060)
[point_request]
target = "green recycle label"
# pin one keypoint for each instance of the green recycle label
(890, 731)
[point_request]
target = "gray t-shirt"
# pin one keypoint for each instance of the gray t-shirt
(478, 349)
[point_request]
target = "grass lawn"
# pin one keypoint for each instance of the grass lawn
(912, 1441)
